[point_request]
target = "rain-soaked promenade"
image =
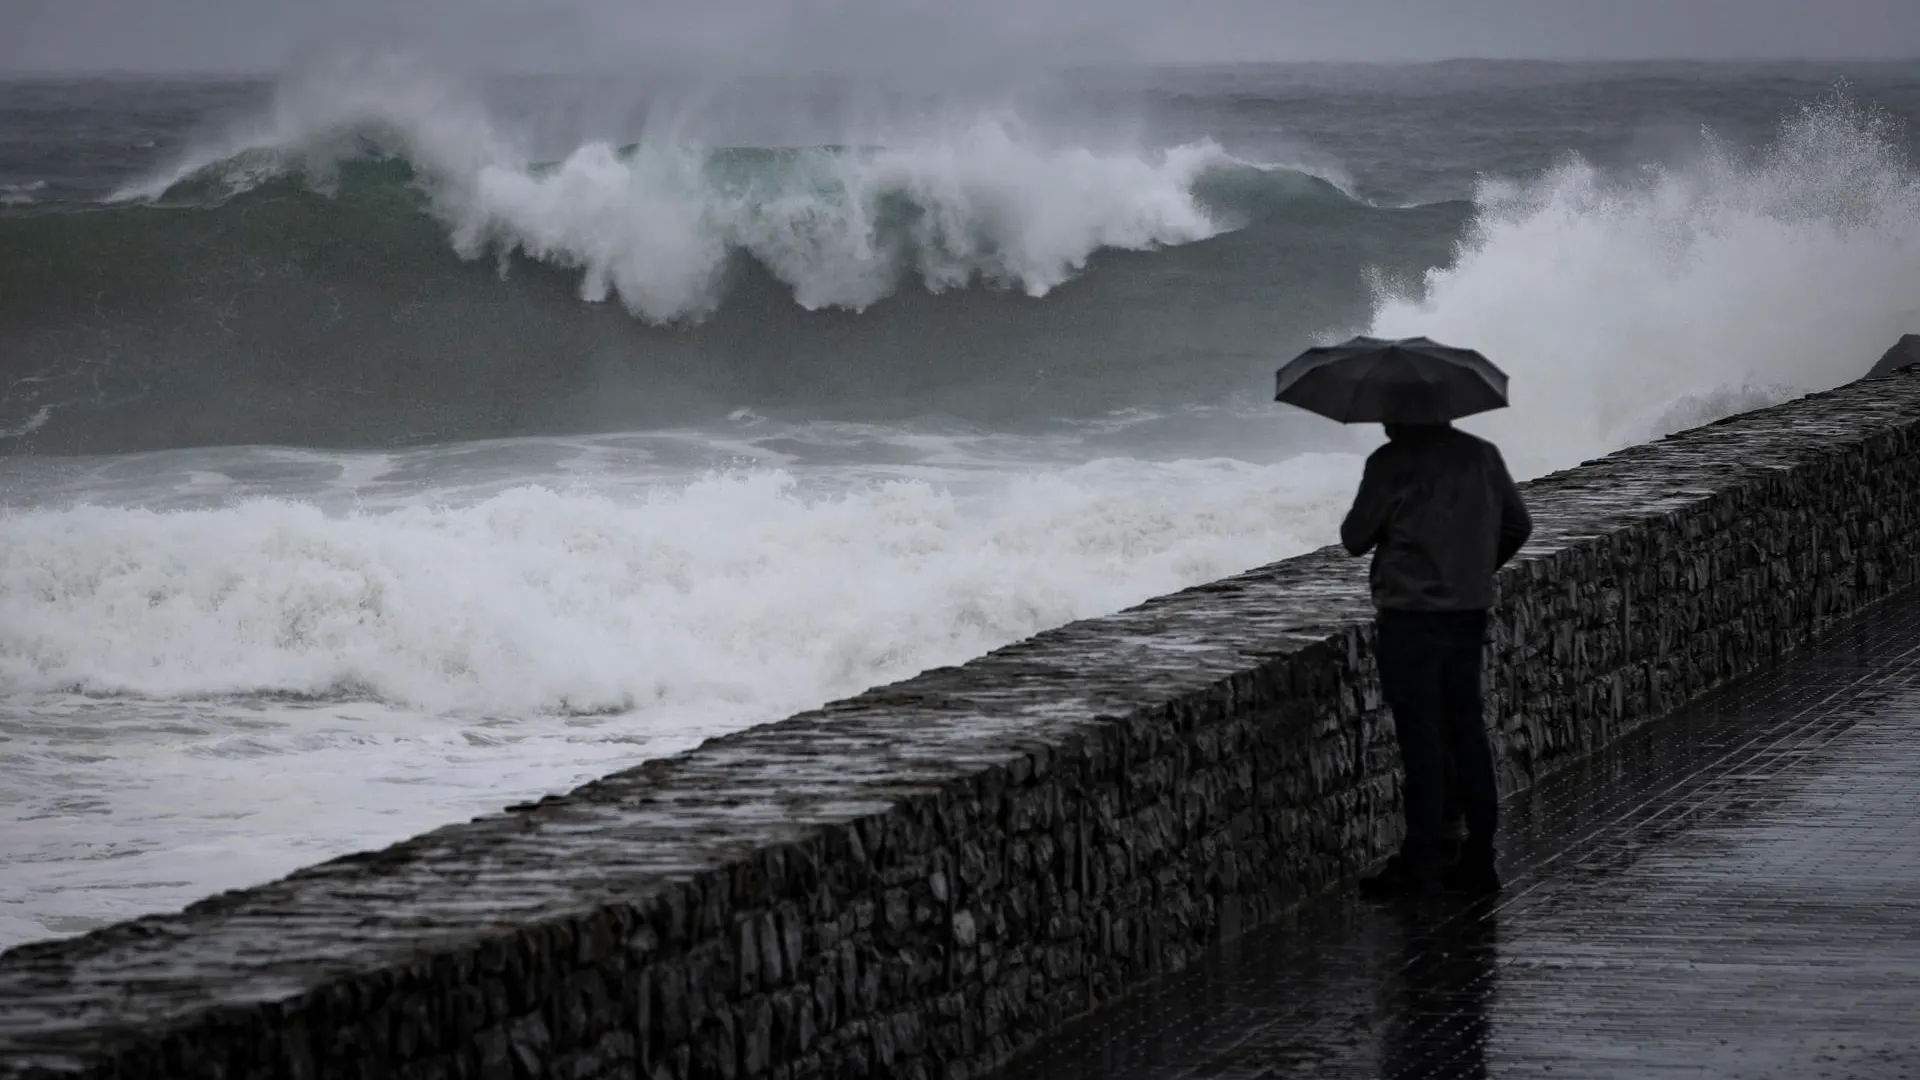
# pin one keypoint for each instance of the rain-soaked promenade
(1732, 892)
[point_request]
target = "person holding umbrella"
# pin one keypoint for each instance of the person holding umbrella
(1440, 513)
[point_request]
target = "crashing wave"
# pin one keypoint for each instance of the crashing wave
(986, 200)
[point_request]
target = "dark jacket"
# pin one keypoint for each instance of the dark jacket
(1441, 514)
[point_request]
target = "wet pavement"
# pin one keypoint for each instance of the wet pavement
(1734, 892)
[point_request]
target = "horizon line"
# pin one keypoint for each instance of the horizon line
(256, 74)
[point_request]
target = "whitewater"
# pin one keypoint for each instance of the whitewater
(972, 197)
(219, 663)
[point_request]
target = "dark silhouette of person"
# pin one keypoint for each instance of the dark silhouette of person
(1440, 513)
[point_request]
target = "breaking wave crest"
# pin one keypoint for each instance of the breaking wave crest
(983, 200)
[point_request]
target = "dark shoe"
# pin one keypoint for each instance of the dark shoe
(1399, 879)
(1473, 876)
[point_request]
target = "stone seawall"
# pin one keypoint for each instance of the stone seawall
(923, 880)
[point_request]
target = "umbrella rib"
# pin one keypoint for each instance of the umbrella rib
(1362, 381)
(1353, 391)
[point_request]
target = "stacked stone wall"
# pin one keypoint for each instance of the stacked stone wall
(925, 879)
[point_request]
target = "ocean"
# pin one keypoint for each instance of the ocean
(381, 446)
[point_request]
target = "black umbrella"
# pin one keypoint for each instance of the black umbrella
(1377, 381)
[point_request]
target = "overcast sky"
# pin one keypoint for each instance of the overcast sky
(267, 35)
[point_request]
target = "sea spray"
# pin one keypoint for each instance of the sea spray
(982, 198)
(654, 225)
(1628, 306)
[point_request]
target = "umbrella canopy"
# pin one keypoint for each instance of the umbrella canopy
(1378, 381)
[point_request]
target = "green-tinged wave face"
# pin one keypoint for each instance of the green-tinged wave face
(371, 298)
(380, 259)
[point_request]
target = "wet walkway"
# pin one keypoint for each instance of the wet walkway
(1731, 893)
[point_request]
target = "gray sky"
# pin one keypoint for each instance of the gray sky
(267, 35)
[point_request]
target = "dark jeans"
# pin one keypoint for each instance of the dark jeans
(1430, 671)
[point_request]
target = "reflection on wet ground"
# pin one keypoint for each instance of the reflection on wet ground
(1733, 892)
